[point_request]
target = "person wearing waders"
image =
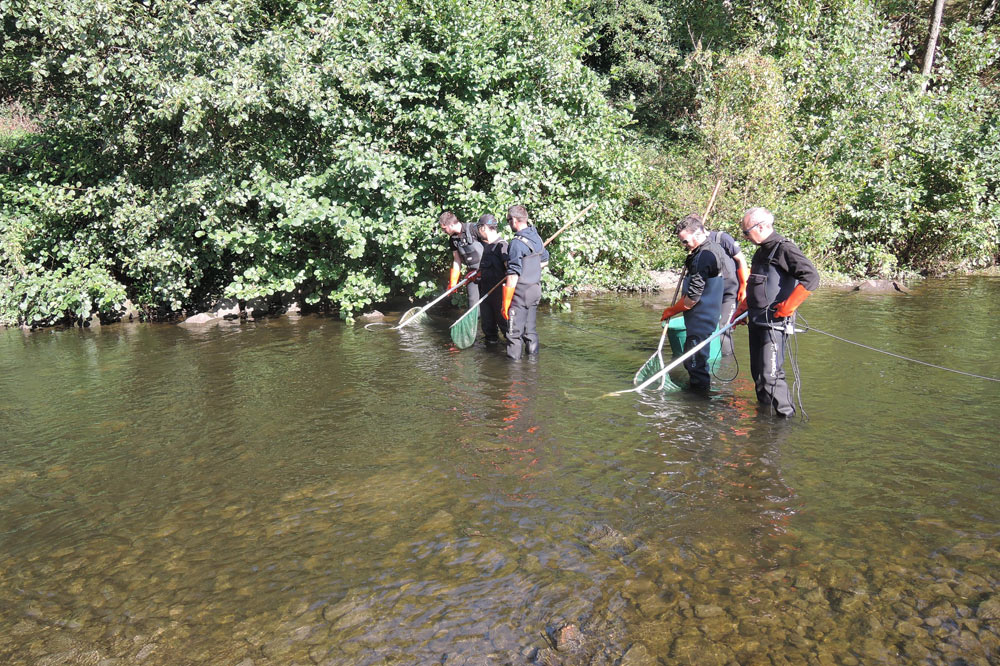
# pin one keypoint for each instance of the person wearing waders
(493, 270)
(701, 301)
(526, 257)
(466, 248)
(735, 274)
(781, 277)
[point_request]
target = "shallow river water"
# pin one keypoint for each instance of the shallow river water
(298, 490)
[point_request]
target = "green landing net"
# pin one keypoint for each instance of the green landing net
(463, 331)
(653, 366)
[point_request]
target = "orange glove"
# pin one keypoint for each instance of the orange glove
(508, 296)
(741, 278)
(674, 309)
(741, 307)
(453, 278)
(787, 307)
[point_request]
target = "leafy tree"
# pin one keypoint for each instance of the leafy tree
(254, 149)
(813, 110)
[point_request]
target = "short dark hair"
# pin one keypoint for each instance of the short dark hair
(690, 223)
(518, 212)
(447, 217)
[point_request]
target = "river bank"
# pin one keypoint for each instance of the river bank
(228, 309)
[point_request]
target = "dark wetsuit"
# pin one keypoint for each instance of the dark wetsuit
(494, 271)
(525, 256)
(777, 266)
(731, 284)
(470, 249)
(704, 284)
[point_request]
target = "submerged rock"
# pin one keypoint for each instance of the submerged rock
(972, 550)
(989, 609)
(638, 655)
(608, 539)
(569, 639)
(442, 521)
(703, 611)
(200, 318)
(697, 650)
(225, 309)
(885, 286)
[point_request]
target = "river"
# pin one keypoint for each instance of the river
(298, 490)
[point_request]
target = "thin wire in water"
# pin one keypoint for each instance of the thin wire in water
(732, 355)
(899, 356)
(793, 355)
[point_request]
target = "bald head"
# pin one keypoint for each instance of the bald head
(758, 224)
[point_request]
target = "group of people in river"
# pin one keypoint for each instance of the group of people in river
(717, 288)
(720, 287)
(517, 264)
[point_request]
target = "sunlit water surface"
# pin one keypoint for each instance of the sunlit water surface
(301, 490)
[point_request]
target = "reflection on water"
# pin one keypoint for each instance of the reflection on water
(298, 490)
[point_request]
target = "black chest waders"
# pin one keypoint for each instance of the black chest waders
(531, 264)
(766, 287)
(728, 267)
(493, 267)
(471, 250)
(700, 323)
(494, 271)
(732, 288)
(523, 311)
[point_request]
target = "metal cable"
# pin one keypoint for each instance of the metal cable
(793, 355)
(899, 356)
(732, 355)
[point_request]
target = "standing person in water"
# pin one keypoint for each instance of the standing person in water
(781, 277)
(493, 270)
(466, 248)
(735, 274)
(701, 300)
(522, 290)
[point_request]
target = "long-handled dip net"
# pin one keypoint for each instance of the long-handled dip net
(463, 331)
(654, 365)
(417, 314)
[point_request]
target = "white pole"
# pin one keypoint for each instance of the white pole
(680, 359)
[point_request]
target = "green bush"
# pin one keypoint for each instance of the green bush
(249, 149)
(814, 110)
(189, 150)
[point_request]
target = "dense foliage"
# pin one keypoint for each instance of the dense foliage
(815, 110)
(259, 149)
(226, 148)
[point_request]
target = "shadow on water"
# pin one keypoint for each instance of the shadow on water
(299, 490)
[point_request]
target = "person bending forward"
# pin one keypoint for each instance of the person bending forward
(701, 301)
